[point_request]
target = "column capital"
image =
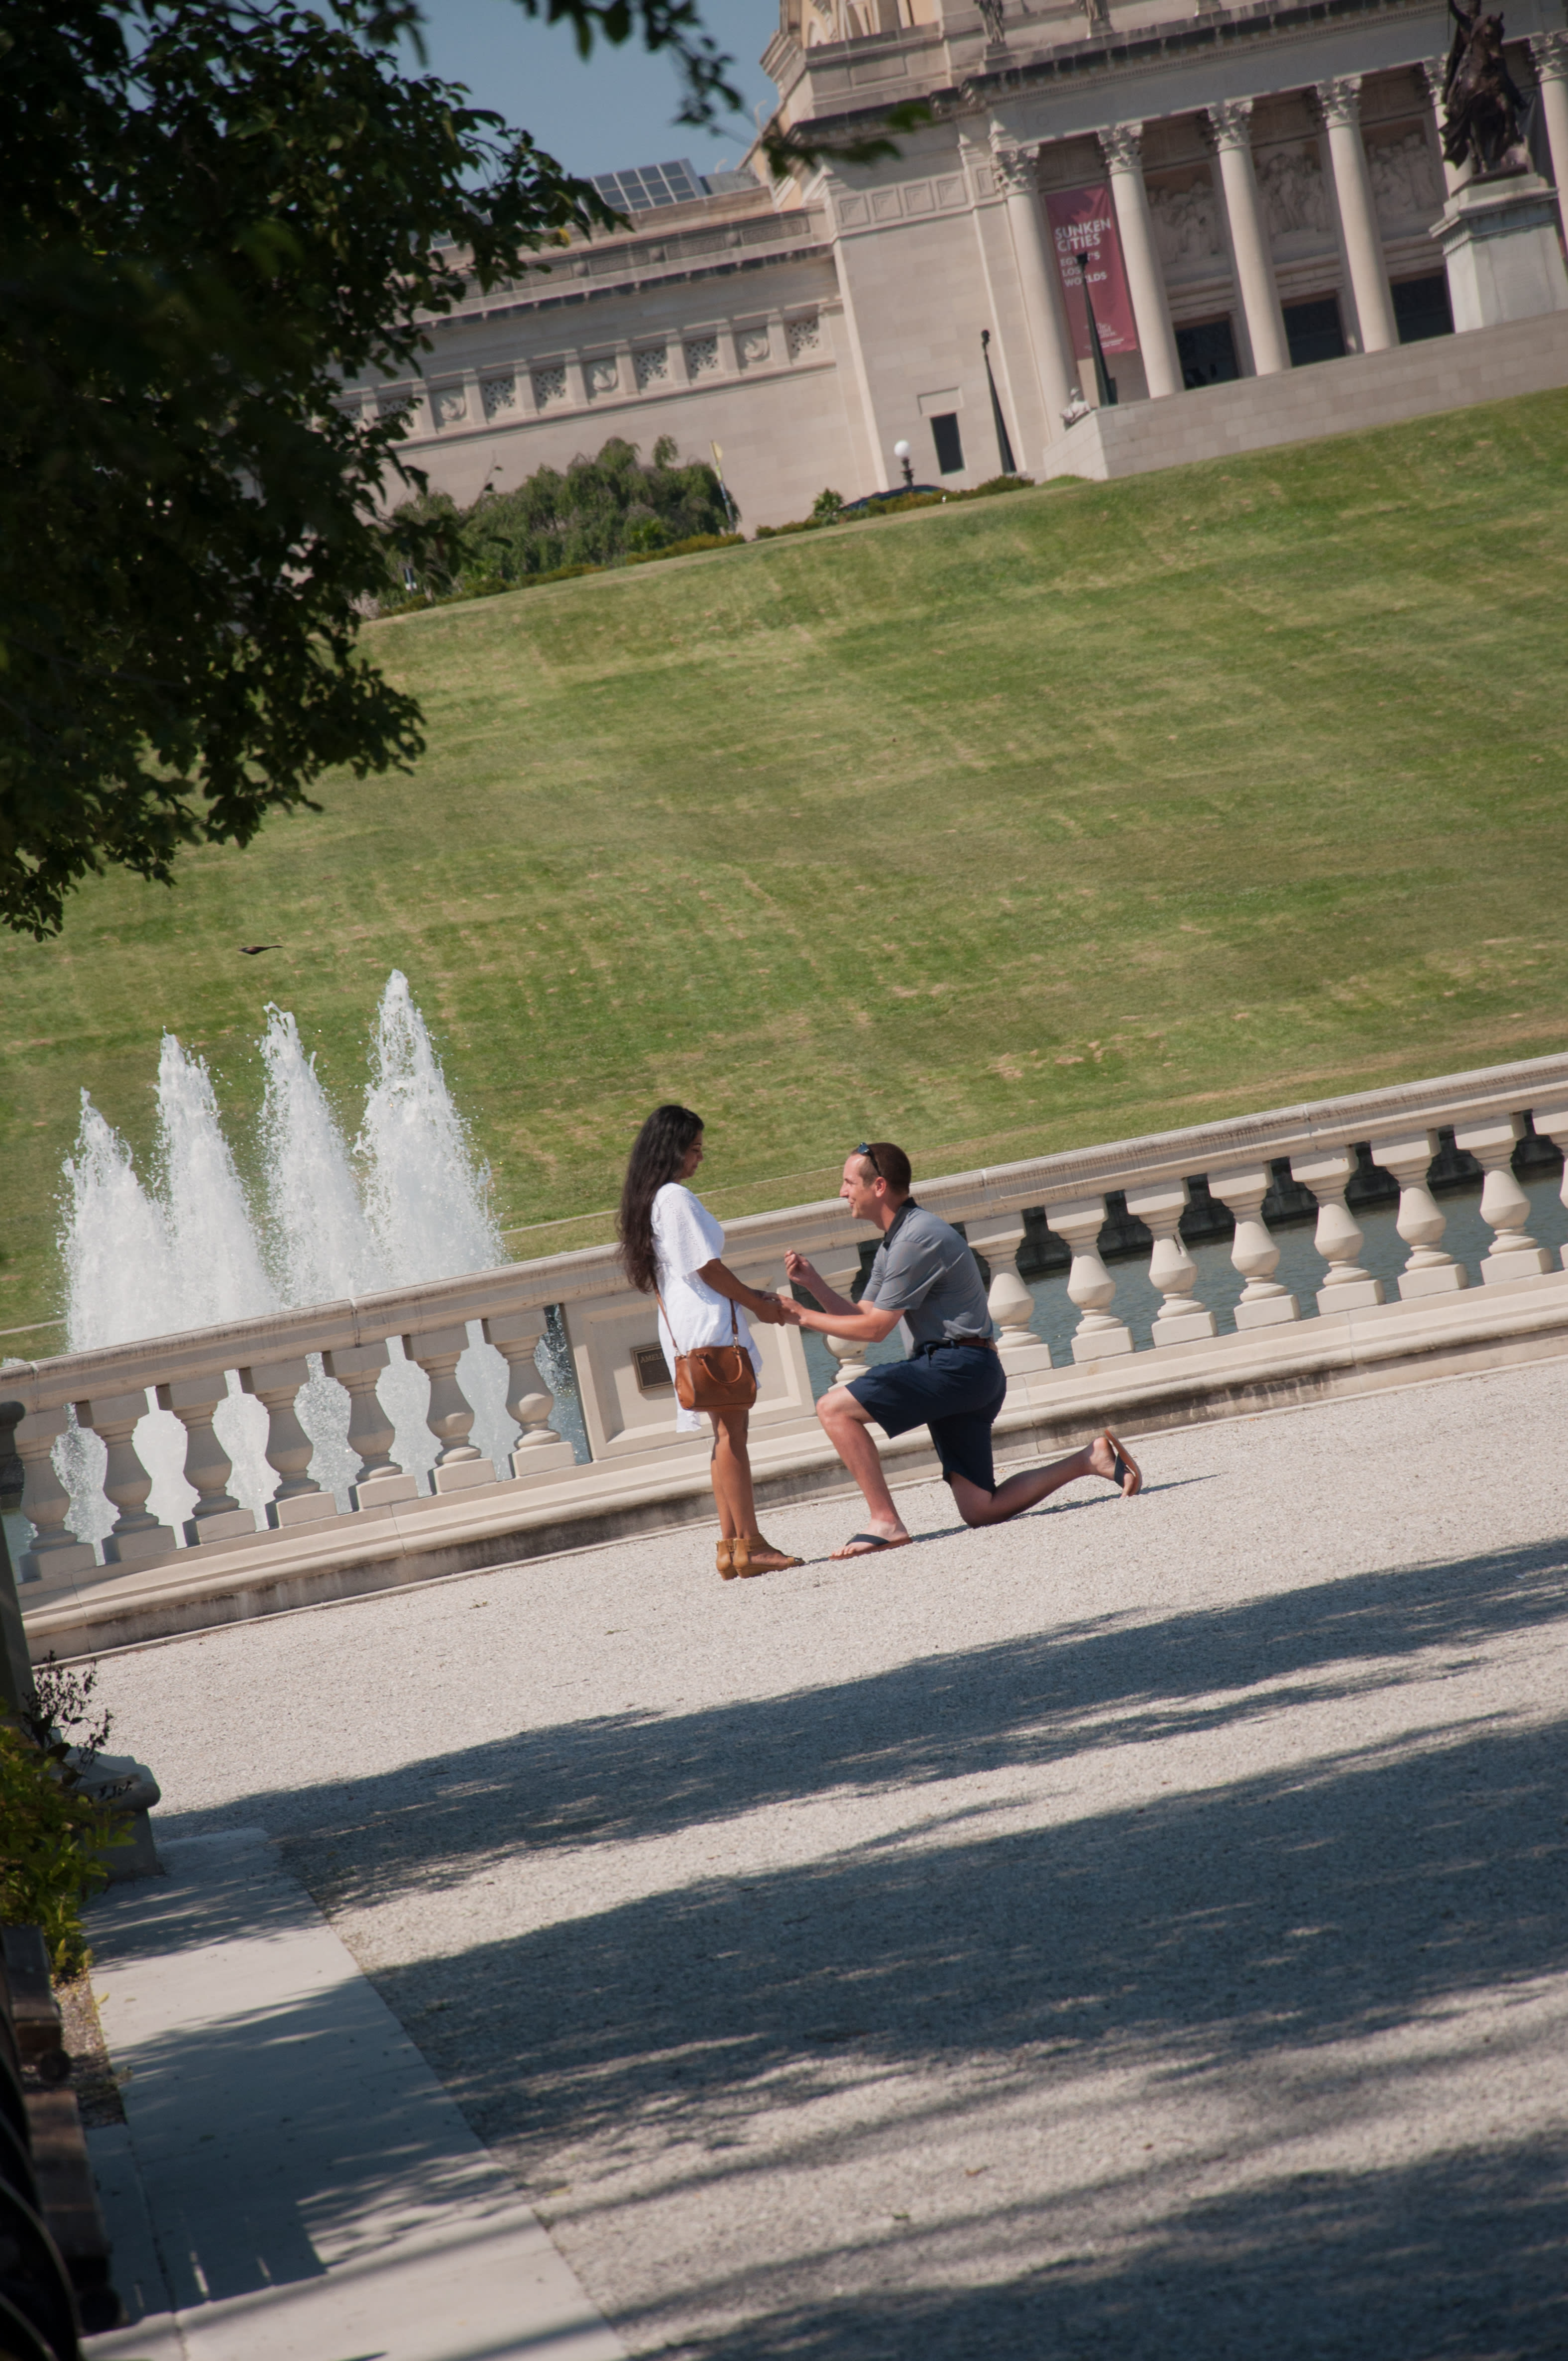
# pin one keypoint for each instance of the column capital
(1016, 167)
(1122, 144)
(1435, 73)
(1340, 98)
(1549, 51)
(1230, 121)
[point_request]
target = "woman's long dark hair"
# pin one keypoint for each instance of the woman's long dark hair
(657, 1157)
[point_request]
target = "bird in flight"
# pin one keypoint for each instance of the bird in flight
(248, 951)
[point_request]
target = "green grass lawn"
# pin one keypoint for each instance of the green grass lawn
(1085, 811)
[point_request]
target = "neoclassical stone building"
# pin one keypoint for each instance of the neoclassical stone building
(1235, 193)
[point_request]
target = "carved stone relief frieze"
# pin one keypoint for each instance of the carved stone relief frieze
(549, 387)
(451, 405)
(1187, 227)
(1295, 200)
(803, 336)
(702, 356)
(500, 395)
(651, 364)
(603, 377)
(753, 346)
(1407, 181)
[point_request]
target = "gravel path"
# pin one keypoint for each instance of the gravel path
(1138, 1931)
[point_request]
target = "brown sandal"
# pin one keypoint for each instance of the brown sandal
(754, 1553)
(727, 1570)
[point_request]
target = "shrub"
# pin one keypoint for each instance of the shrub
(52, 1839)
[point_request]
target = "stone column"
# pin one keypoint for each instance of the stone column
(1182, 1319)
(381, 1479)
(539, 1450)
(1433, 73)
(1039, 280)
(136, 1531)
(1431, 1270)
(56, 1553)
(458, 1463)
(1549, 51)
(1010, 1303)
(1504, 1204)
(1232, 124)
(1121, 143)
(1099, 1334)
(1264, 1302)
(298, 1499)
(1340, 98)
(218, 1515)
(1338, 1237)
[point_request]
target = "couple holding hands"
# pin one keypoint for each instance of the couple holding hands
(924, 1274)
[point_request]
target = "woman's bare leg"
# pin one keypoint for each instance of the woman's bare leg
(731, 1472)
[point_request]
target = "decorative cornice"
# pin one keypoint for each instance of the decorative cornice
(1124, 146)
(1340, 98)
(1231, 122)
(1435, 71)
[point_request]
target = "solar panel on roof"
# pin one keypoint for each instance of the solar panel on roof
(642, 188)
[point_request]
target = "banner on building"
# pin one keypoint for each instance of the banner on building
(1083, 222)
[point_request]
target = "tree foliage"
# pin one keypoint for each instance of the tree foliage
(207, 210)
(613, 506)
(211, 212)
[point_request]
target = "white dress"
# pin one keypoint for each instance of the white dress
(685, 1235)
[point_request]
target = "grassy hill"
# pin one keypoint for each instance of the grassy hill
(1084, 811)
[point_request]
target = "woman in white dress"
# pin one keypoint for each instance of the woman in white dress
(670, 1242)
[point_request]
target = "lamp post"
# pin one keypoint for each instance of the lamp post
(901, 453)
(1003, 447)
(1103, 384)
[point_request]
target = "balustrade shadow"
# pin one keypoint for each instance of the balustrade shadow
(1070, 1688)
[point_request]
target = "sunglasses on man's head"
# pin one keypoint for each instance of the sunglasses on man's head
(863, 1150)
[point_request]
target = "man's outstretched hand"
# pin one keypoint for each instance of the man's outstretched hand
(799, 1271)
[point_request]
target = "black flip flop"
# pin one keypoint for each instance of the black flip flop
(1123, 1468)
(873, 1541)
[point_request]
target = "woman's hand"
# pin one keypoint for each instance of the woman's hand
(769, 1311)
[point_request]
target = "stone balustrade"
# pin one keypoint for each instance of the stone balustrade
(627, 1404)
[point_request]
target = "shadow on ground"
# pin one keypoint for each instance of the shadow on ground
(1206, 1933)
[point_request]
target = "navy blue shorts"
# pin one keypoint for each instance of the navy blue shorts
(955, 1390)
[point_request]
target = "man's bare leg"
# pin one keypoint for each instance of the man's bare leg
(844, 1423)
(1021, 1492)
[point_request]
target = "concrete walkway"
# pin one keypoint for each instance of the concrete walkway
(1140, 1931)
(292, 2182)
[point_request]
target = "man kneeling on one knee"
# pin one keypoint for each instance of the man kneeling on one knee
(925, 1274)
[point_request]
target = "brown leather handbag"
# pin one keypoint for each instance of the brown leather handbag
(716, 1377)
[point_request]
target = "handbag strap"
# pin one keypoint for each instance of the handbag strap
(734, 1323)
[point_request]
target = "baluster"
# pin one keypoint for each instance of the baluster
(1504, 1205)
(298, 1500)
(136, 1532)
(381, 1480)
(1009, 1301)
(1182, 1319)
(538, 1450)
(1338, 1235)
(1551, 1123)
(1264, 1302)
(217, 1515)
(848, 1351)
(1099, 1332)
(1430, 1270)
(56, 1553)
(458, 1463)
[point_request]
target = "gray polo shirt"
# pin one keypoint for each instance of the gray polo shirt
(926, 1271)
